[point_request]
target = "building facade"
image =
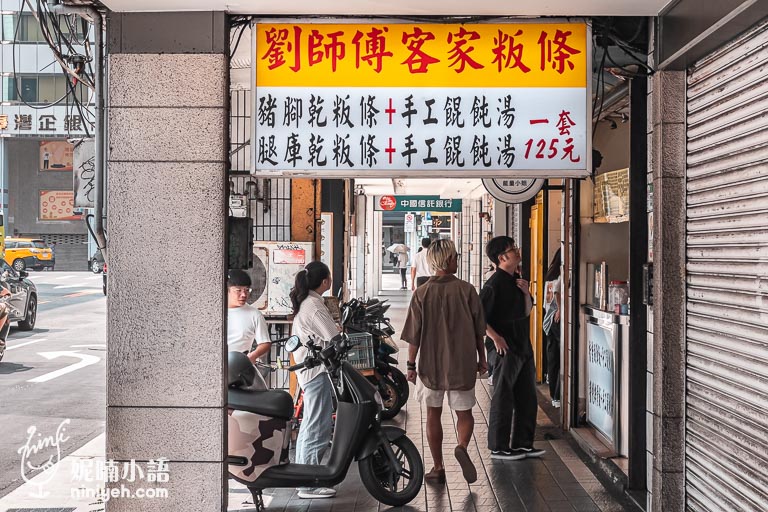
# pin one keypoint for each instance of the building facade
(697, 373)
(37, 118)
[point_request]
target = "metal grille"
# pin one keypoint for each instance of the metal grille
(240, 131)
(270, 199)
(726, 453)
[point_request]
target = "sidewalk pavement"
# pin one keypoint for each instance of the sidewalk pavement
(559, 481)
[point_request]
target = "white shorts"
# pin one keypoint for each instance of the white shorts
(458, 400)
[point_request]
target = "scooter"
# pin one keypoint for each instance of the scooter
(389, 463)
(5, 313)
(368, 316)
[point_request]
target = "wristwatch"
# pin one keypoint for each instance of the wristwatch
(410, 365)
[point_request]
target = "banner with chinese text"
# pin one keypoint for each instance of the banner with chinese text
(402, 203)
(486, 99)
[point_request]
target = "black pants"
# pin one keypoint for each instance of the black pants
(514, 394)
(553, 361)
(402, 277)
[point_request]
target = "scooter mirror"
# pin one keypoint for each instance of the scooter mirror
(292, 343)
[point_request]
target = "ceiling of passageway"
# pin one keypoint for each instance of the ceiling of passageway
(403, 7)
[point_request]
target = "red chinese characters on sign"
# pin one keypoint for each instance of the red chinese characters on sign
(458, 48)
(375, 48)
(459, 54)
(277, 42)
(555, 51)
(418, 61)
(509, 55)
(551, 148)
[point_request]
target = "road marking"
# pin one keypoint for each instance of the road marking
(69, 286)
(25, 344)
(82, 293)
(85, 360)
(91, 345)
(64, 277)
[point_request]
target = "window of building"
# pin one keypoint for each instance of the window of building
(29, 29)
(7, 26)
(40, 88)
(8, 88)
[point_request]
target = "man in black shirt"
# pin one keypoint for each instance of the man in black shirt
(507, 304)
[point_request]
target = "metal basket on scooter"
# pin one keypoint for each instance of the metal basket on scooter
(360, 356)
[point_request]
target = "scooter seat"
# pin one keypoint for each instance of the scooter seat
(273, 403)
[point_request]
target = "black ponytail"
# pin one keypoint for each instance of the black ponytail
(308, 279)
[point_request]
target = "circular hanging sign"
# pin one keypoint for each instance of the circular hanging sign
(513, 190)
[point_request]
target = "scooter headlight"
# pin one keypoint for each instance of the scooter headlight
(379, 401)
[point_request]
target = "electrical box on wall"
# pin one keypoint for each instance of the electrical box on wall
(648, 284)
(238, 205)
(240, 232)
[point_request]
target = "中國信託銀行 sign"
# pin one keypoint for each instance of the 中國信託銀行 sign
(481, 98)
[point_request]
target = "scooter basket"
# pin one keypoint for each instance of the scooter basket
(360, 355)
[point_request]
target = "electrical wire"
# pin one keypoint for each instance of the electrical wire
(19, 93)
(64, 48)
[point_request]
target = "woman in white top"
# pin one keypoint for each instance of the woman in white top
(421, 271)
(312, 319)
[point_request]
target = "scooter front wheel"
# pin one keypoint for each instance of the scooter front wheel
(381, 480)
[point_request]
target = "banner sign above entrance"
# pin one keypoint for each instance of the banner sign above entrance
(420, 99)
(415, 203)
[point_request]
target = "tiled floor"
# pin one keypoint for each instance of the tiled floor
(559, 481)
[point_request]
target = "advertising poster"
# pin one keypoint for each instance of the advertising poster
(55, 155)
(57, 205)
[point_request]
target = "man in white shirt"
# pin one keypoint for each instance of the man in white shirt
(421, 271)
(245, 323)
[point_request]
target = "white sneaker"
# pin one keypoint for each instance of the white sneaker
(317, 493)
(556, 404)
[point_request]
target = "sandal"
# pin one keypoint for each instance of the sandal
(436, 476)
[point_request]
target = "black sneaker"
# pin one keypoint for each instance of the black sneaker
(506, 455)
(528, 453)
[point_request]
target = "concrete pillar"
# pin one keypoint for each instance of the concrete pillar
(668, 403)
(167, 117)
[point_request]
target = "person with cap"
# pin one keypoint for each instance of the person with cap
(245, 323)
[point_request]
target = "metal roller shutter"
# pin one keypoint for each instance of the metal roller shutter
(726, 453)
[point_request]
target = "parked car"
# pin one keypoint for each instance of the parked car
(96, 263)
(24, 253)
(23, 301)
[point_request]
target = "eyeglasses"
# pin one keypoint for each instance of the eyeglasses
(515, 248)
(241, 289)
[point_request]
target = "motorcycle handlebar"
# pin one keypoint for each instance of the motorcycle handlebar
(295, 367)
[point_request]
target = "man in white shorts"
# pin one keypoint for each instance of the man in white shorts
(445, 327)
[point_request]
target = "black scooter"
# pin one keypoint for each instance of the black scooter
(389, 463)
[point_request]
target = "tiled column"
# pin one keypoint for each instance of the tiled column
(668, 149)
(166, 237)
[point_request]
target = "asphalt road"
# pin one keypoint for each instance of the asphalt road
(56, 372)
